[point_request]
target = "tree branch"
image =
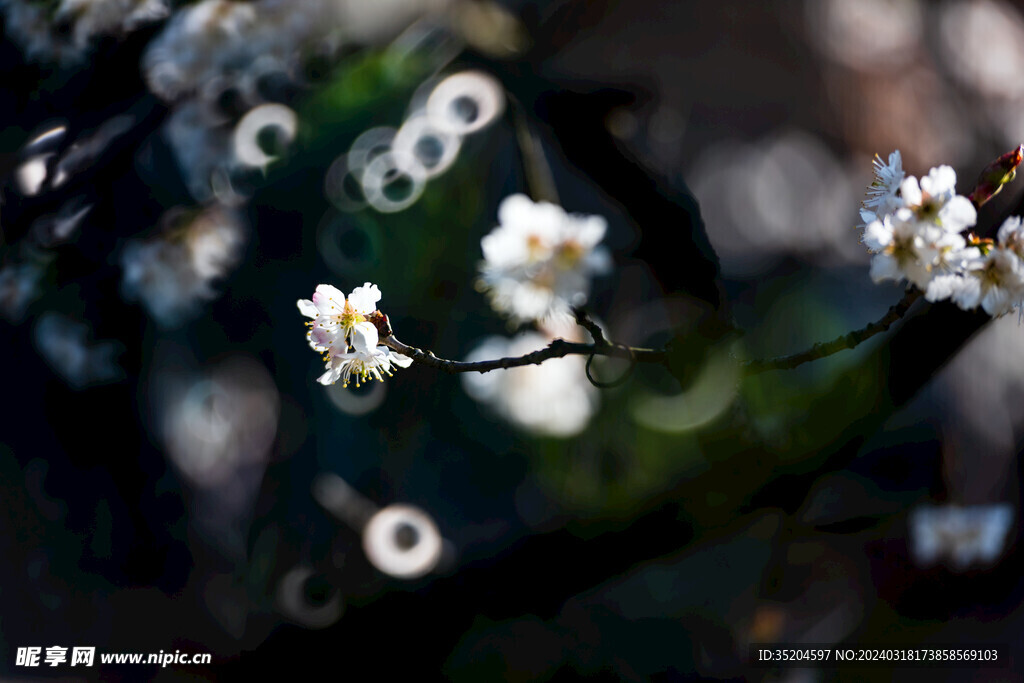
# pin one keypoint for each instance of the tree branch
(560, 348)
(556, 349)
(847, 341)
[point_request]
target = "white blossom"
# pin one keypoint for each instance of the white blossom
(960, 536)
(883, 192)
(349, 342)
(64, 345)
(337, 321)
(1011, 235)
(914, 233)
(174, 271)
(903, 248)
(995, 282)
(539, 260)
(367, 360)
(934, 200)
(65, 32)
(553, 399)
(992, 279)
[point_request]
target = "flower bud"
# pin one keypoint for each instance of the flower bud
(995, 175)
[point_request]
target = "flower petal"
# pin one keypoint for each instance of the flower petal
(329, 377)
(364, 337)
(1009, 230)
(364, 299)
(885, 267)
(328, 299)
(939, 182)
(943, 287)
(878, 235)
(968, 294)
(398, 359)
(911, 191)
(958, 214)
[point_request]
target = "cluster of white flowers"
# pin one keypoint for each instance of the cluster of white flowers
(63, 32)
(348, 341)
(539, 260)
(914, 229)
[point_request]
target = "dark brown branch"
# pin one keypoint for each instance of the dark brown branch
(847, 341)
(584, 321)
(556, 349)
(602, 347)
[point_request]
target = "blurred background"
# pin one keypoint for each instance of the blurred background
(177, 175)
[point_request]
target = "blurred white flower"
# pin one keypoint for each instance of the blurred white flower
(195, 44)
(19, 287)
(105, 17)
(1011, 235)
(211, 39)
(959, 536)
(219, 423)
(62, 342)
(31, 174)
(539, 260)
(173, 272)
(553, 399)
(63, 32)
(867, 35)
(982, 44)
(217, 426)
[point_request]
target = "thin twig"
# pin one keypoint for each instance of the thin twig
(584, 321)
(847, 341)
(602, 347)
(556, 349)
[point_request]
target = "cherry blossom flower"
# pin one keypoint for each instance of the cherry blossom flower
(914, 232)
(348, 341)
(539, 260)
(554, 399)
(336, 320)
(959, 536)
(883, 192)
(934, 200)
(904, 248)
(992, 279)
(173, 271)
(366, 361)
